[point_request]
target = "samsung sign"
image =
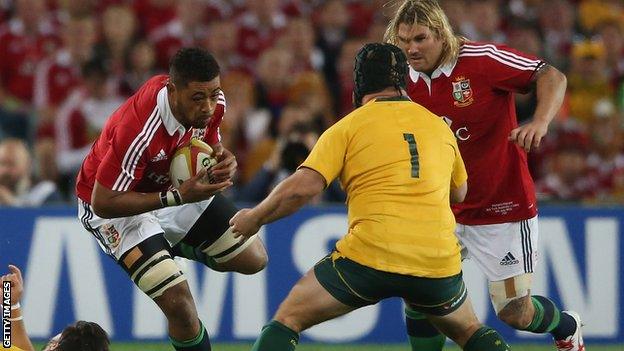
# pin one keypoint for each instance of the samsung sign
(69, 278)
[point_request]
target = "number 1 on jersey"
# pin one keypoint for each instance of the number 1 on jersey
(413, 149)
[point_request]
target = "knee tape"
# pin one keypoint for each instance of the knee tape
(504, 291)
(227, 246)
(157, 274)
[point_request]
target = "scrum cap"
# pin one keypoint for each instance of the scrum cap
(378, 66)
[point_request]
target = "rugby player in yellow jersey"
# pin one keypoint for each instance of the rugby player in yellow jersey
(401, 167)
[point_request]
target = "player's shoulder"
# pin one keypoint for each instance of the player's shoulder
(487, 51)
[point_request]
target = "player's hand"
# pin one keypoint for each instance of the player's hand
(17, 283)
(529, 135)
(226, 166)
(197, 188)
(244, 223)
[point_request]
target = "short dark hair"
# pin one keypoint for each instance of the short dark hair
(192, 65)
(378, 66)
(83, 336)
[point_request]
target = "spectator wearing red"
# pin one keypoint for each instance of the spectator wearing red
(82, 117)
(225, 51)
(299, 38)
(188, 28)
(141, 67)
(153, 13)
(119, 31)
(24, 40)
(59, 73)
(259, 28)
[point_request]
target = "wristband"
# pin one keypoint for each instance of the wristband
(170, 198)
(15, 319)
(16, 306)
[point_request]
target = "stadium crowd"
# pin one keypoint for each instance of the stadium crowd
(287, 67)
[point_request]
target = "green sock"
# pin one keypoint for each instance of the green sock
(486, 339)
(548, 319)
(423, 336)
(199, 343)
(185, 250)
(276, 337)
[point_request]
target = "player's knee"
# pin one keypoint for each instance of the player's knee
(252, 259)
(516, 314)
(178, 306)
(257, 259)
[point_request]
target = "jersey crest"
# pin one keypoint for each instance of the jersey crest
(462, 92)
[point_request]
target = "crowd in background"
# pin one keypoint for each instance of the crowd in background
(287, 66)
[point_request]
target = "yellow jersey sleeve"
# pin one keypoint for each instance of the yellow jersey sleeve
(328, 155)
(459, 175)
(14, 348)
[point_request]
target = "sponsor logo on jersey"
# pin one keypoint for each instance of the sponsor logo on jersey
(508, 260)
(462, 92)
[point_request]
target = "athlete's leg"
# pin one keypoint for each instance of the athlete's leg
(515, 306)
(201, 232)
(152, 269)
(307, 304)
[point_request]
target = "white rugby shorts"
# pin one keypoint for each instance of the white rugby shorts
(118, 235)
(501, 250)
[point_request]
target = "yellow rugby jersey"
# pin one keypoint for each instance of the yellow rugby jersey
(396, 161)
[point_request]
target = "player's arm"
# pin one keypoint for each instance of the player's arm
(285, 199)
(459, 194)
(108, 203)
(19, 337)
(550, 86)
(459, 176)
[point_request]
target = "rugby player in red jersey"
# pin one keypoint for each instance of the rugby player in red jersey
(127, 203)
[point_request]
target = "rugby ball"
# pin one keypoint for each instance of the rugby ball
(189, 159)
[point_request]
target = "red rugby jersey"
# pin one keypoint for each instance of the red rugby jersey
(135, 148)
(475, 96)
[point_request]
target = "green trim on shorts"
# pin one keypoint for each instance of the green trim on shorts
(357, 285)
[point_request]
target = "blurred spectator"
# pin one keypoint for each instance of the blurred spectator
(55, 78)
(309, 90)
(486, 22)
(259, 27)
(246, 124)
(606, 160)
(570, 180)
(331, 35)
(24, 40)
(141, 67)
(288, 153)
(225, 51)
(274, 79)
(118, 35)
(81, 119)
(588, 80)
(153, 13)
(556, 21)
(186, 29)
(455, 10)
(16, 183)
(298, 37)
(344, 97)
(593, 12)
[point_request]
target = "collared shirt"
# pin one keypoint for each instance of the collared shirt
(475, 96)
(134, 151)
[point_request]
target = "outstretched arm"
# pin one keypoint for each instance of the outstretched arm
(287, 197)
(550, 89)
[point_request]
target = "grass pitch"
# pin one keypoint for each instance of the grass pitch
(322, 347)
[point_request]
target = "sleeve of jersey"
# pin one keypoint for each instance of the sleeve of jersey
(505, 68)
(459, 176)
(328, 155)
(213, 134)
(126, 158)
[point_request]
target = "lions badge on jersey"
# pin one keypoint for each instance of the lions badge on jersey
(462, 92)
(111, 235)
